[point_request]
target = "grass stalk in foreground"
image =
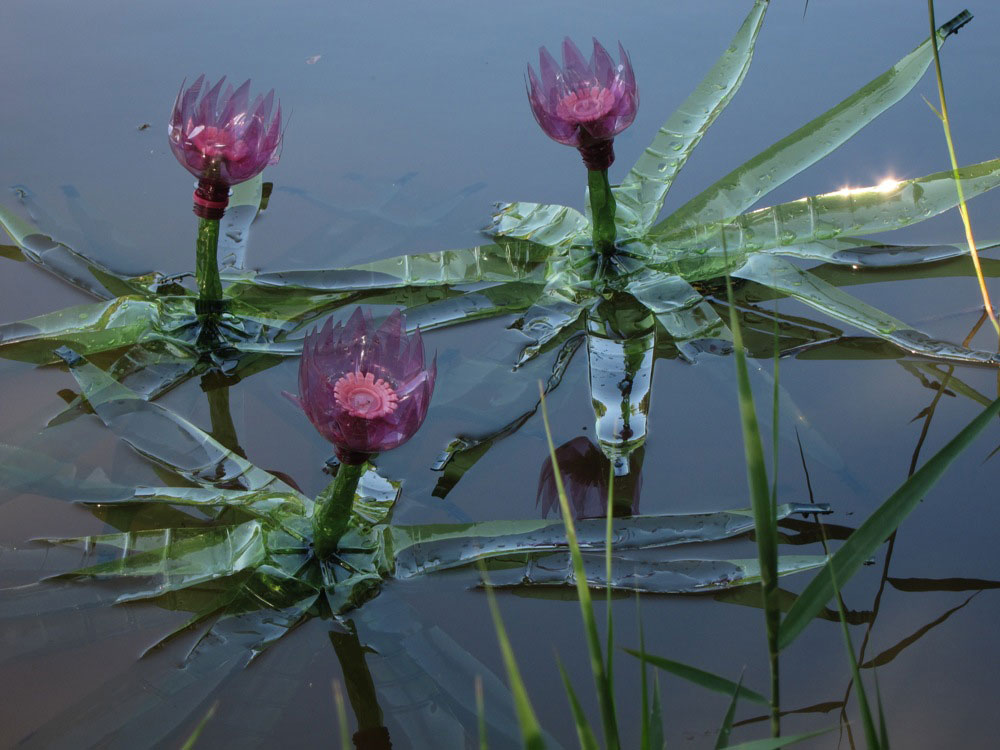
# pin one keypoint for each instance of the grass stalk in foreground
(870, 535)
(481, 714)
(765, 525)
(531, 732)
(190, 742)
(962, 208)
(605, 691)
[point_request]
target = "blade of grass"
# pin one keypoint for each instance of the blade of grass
(190, 742)
(583, 730)
(481, 714)
(644, 745)
(962, 208)
(883, 730)
(727, 722)
(871, 737)
(861, 545)
(765, 522)
(338, 701)
(656, 739)
(605, 694)
(698, 676)
(531, 732)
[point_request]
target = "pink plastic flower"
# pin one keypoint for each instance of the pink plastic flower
(365, 389)
(585, 471)
(584, 104)
(224, 138)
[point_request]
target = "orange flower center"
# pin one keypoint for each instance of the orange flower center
(361, 395)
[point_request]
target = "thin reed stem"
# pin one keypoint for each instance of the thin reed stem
(962, 208)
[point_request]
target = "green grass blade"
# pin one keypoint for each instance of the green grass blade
(656, 739)
(531, 732)
(700, 677)
(583, 730)
(644, 734)
(883, 729)
(746, 184)
(190, 742)
(871, 737)
(760, 501)
(872, 533)
(605, 694)
(641, 194)
(481, 715)
(727, 722)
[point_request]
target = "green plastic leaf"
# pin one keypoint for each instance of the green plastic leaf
(872, 533)
(699, 677)
(472, 306)
(655, 577)
(552, 226)
(505, 261)
(879, 208)
(860, 253)
(745, 185)
(783, 276)
(549, 316)
(173, 558)
(641, 194)
(69, 265)
(692, 323)
(12, 252)
(166, 438)
(432, 547)
(99, 327)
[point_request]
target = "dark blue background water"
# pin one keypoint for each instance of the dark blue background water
(400, 136)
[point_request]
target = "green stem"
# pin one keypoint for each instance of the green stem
(207, 264)
(962, 208)
(333, 508)
(602, 210)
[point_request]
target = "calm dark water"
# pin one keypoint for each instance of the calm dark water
(409, 125)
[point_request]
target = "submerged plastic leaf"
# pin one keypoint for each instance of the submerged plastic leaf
(654, 577)
(423, 549)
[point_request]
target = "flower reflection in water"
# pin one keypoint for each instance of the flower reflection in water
(586, 472)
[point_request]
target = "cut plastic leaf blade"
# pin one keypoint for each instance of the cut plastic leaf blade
(744, 186)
